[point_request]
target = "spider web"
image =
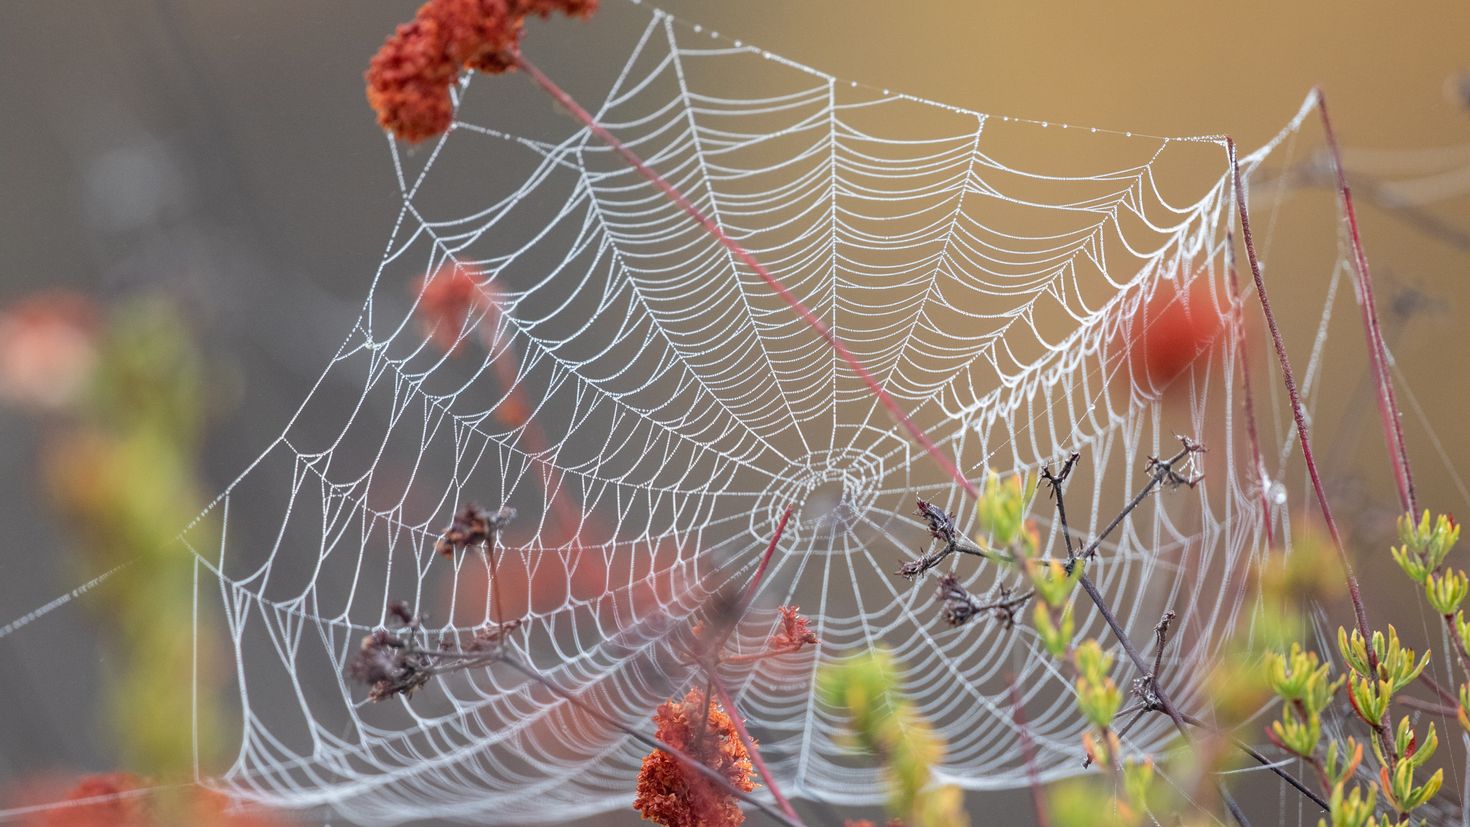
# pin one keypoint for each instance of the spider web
(649, 409)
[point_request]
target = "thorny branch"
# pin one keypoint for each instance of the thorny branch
(1161, 473)
(1147, 688)
(951, 541)
(1055, 481)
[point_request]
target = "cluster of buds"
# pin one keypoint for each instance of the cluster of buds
(1424, 545)
(1098, 696)
(472, 527)
(1399, 787)
(867, 690)
(1305, 684)
(1001, 511)
(1382, 666)
(1370, 689)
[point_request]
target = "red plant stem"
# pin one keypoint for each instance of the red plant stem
(780, 289)
(1360, 613)
(1250, 406)
(1292, 392)
(760, 571)
(1388, 408)
(725, 699)
(750, 747)
(1028, 750)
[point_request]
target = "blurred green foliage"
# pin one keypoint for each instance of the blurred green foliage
(120, 466)
(882, 723)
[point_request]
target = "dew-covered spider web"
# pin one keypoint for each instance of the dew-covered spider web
(649, 408)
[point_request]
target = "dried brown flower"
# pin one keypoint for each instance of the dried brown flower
(941, 525)
(473, 526)
(391, 662)
(959, 606)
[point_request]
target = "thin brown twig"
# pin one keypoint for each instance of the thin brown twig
(1265, 762)
(1055, 481)
(1028, 750)
(1160, 471)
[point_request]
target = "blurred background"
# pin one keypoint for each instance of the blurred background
(196, 197)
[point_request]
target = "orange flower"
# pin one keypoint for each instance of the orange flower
(794, 635)
(408, 79)
(675, 795)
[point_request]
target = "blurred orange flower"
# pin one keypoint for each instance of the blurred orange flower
(48, 348)
(122, 799)
(1173, 329)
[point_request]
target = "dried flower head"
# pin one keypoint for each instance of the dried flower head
(941, 524)
(959, 606)
(675, 795)
(473, 526)
(793, 634)
(913, 568)
(408, 79)
(390, 661)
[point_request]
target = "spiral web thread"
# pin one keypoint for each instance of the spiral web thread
(649, 410)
